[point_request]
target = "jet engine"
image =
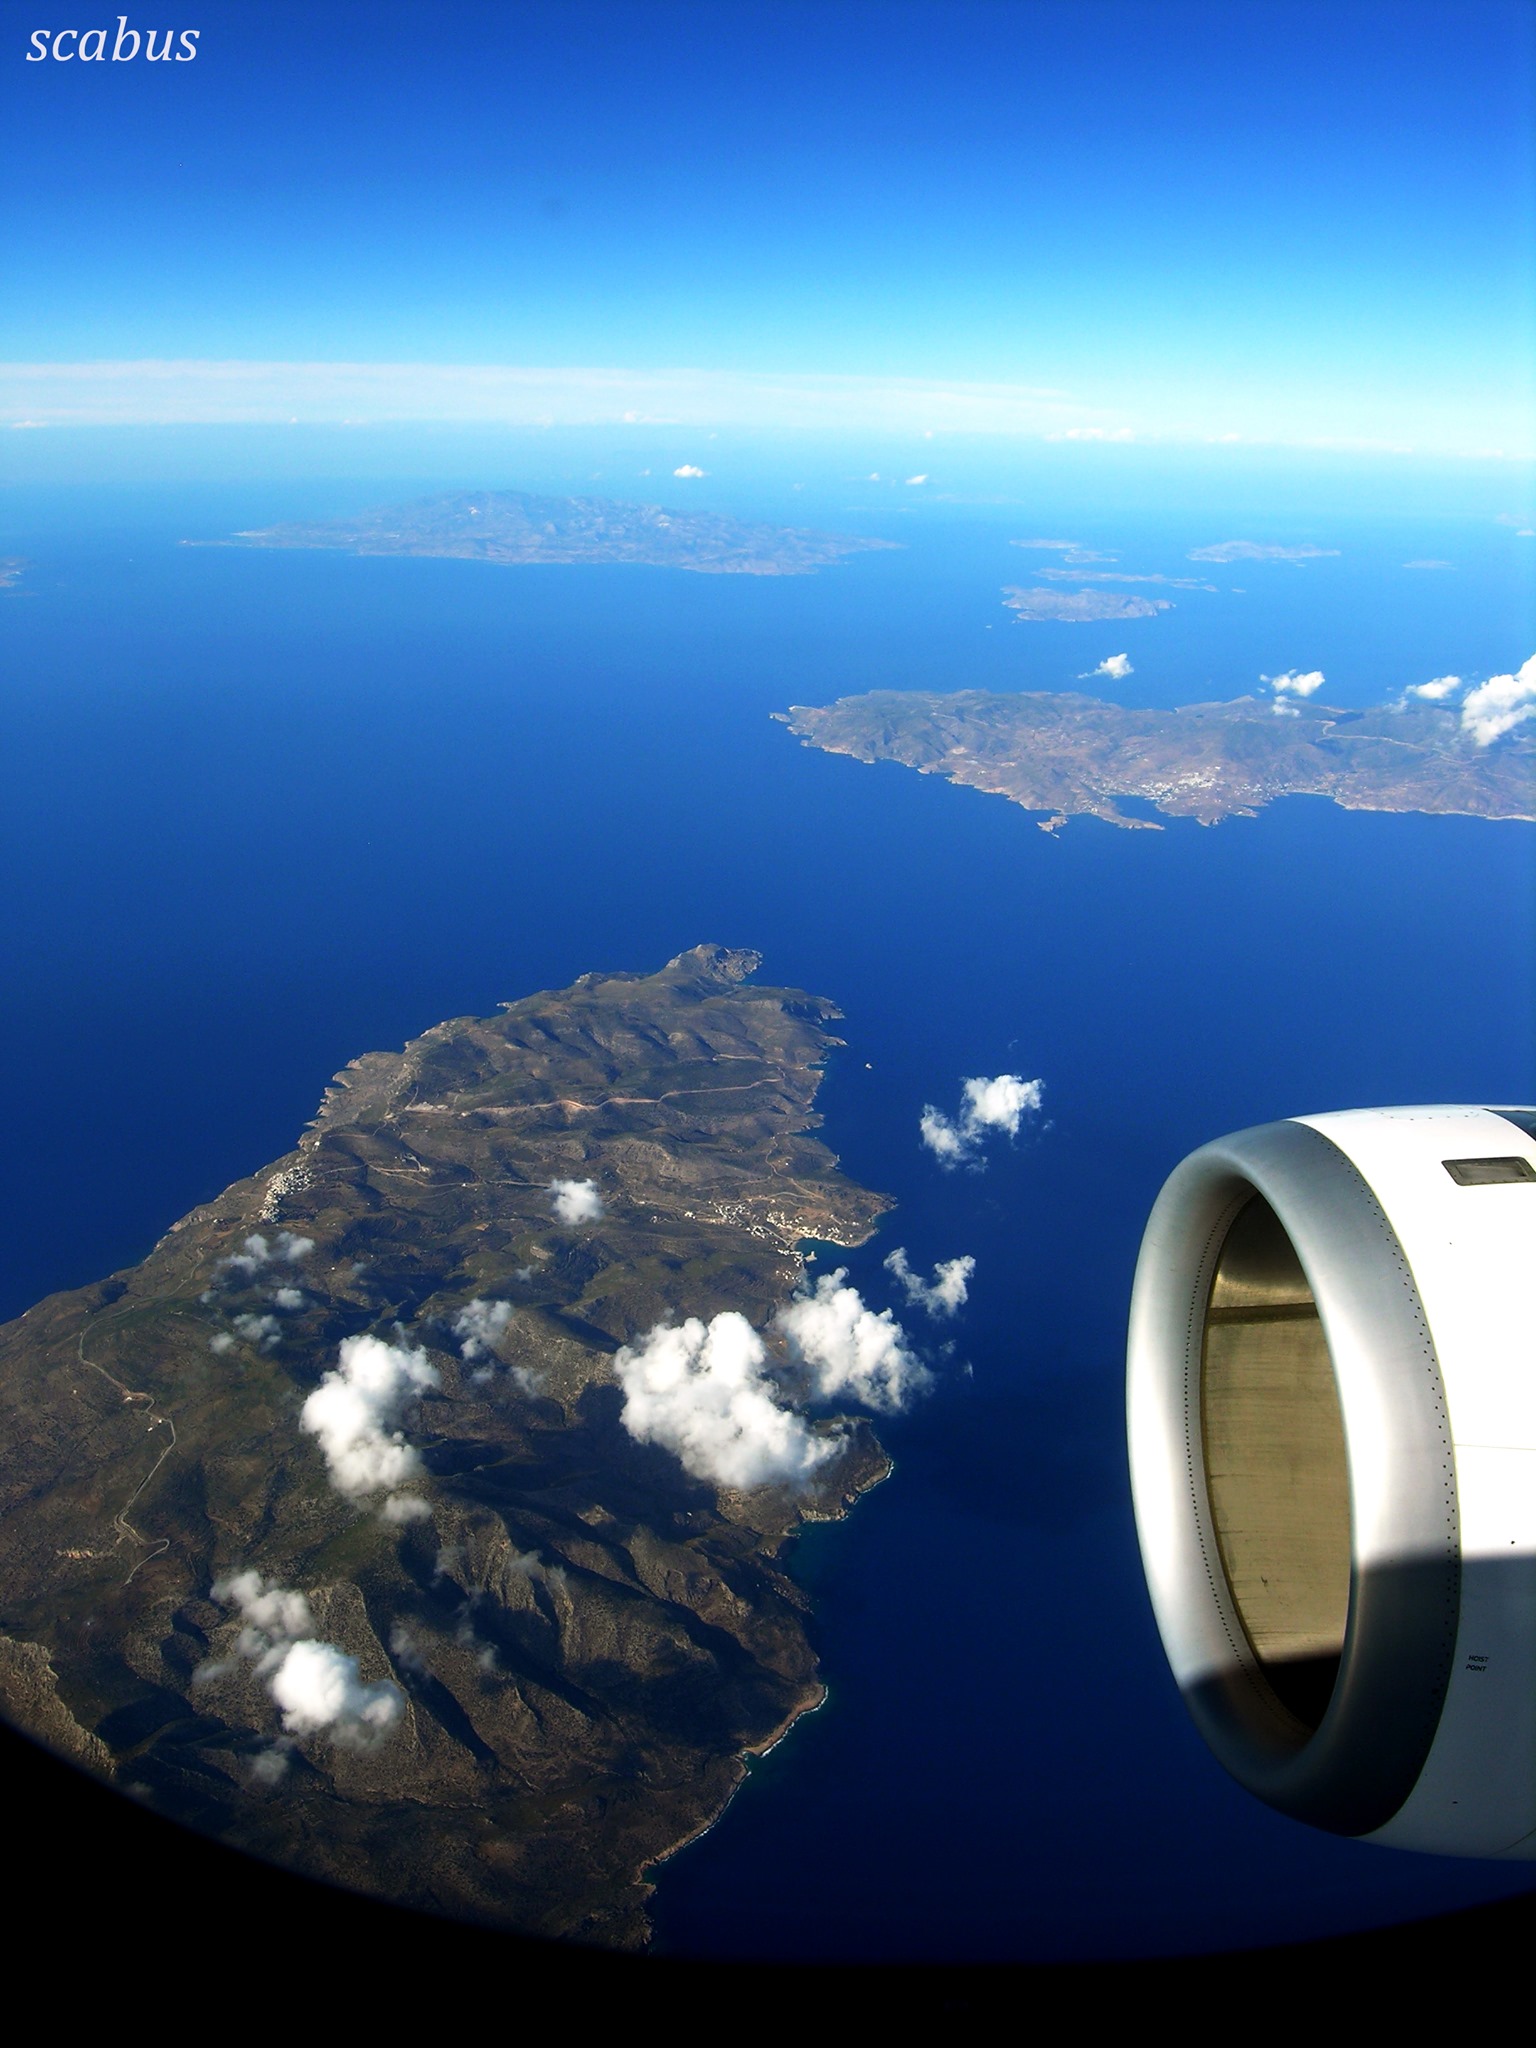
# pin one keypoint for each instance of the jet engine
(1331, 1395)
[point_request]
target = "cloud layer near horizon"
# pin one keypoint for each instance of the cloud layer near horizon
(206, 392)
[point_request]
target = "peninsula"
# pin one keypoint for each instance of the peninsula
(1069, 755)
(515, 527)
(548, 1652)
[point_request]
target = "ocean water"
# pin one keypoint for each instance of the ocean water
(265, 812)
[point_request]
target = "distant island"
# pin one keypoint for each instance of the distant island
(546, 1656)
(515, 527)
(1069, 755)
(1081, 607)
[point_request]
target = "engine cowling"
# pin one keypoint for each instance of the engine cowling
(1331, 1393)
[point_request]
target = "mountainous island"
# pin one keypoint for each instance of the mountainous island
(320, 1529)
(513, 526)
(1080, 607)
(1070, 755)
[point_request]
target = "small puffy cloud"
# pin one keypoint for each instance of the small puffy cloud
(700, 1391)
(259, 1252)
(272, 1614)
(848, 1350)
(1499, 705)
(318, 1689)
(1296, 682)
(942, 1137)
(406, 1651)
(223, 1343)
(918, 479)
(356, 1410)
(1256, 551)
(999, 1104)
(316, 1685)
(941, 1296)
(1429, 565)
(265, 1332)
(576, 1201)
(479, 1325)
(689, 469)
(289, 1299)
(1440, 687)
(1116, 666)
(401, 1508)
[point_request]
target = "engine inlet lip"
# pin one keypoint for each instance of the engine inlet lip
(1352, 1772)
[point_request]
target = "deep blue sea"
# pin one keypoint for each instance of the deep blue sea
(267, 811)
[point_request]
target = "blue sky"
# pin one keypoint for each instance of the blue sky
(1281, 223)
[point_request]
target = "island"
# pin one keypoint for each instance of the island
(517, 527)
(1080, 607)
(510, 1687)
(1070, 755)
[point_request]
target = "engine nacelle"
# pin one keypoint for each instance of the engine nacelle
(1332, 1414)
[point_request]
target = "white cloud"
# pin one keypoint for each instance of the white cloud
(406, 1651)
(848, 1349)
(917, 479)
(356, 1409)
(1499, 705)
(1296, 682)
(576, 1201)
(941, 1136)
(944, 1294)
(258, 1252)
(265, 1332)
(700, 1391)
(318, 1689)
(480, 1324)
(400, 1508)
(689, 469)
(288, 1299)
(1256, 551)
(272, 1614)
(222, 1344)
(211, 392)
(1116, 666)
(315, 1684)
(1429, 565)
(224, 392)
(996, 1105)
(1440, 686)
